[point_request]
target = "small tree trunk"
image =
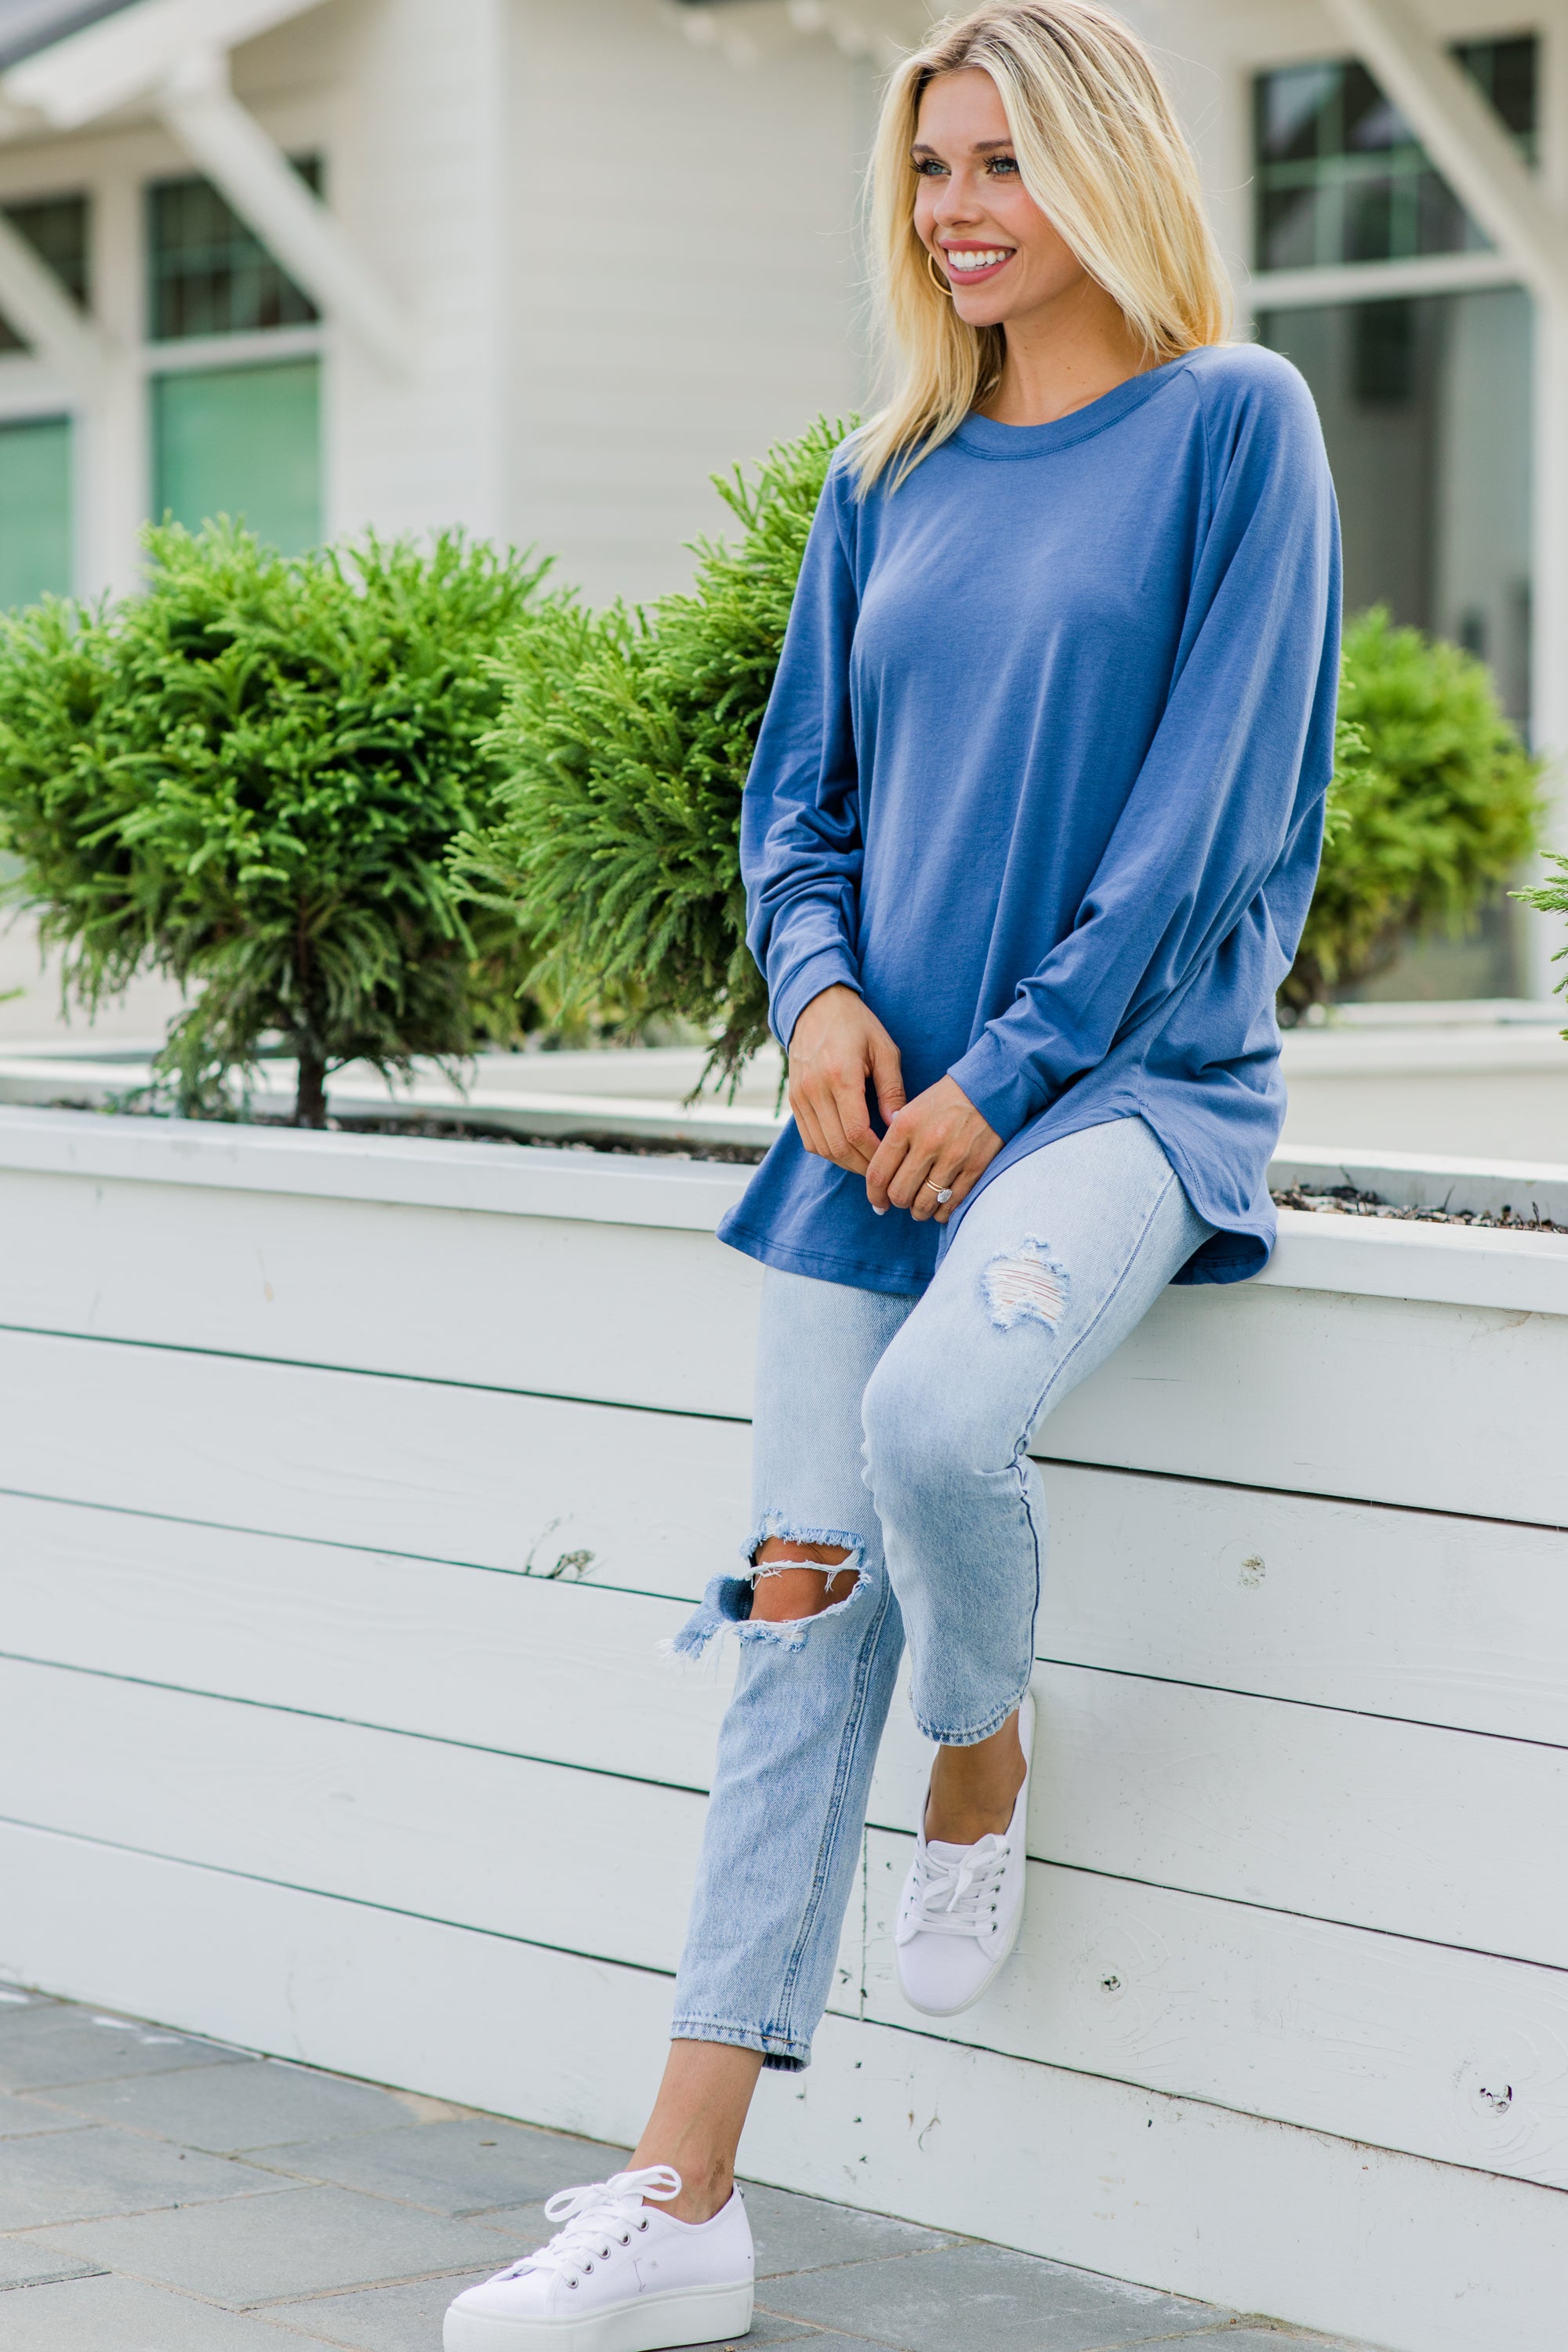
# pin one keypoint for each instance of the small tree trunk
(310, 1101)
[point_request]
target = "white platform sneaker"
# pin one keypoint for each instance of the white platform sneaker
(962, 1906)
(619, 2276)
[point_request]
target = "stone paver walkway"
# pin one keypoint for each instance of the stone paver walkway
(163, 2194)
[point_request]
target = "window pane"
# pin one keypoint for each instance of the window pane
(1426, 406)
(34, 510)
(210, 275)
(56, 229)
(1341, 176)
(242, 442)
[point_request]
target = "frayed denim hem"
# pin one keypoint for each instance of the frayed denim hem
(970, 1738)
(778, 2052)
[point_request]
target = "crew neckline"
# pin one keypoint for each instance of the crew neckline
(983, 437)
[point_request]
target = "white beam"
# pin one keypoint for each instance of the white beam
(1374, 282)
(125, 56)
(1462, 134)
(37, 305)
(198, 108)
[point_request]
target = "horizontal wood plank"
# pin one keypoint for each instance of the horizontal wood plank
(1444, 1618)
(1407, 2045)
(1415, 1613)
(1376, 1399)
(1184, 2196)
(1258, 1384)
(655, 1502)
(1420, 1833)
(614, 1313)
(1387, 1612)
(1378, 1824)
(563, 1671)
(580, 1860)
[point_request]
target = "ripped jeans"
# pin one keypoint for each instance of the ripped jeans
(898, 1428)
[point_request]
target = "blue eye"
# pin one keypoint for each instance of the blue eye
(928, 167)
(1004, 164)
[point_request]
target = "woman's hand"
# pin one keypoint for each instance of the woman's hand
(937, 1142)
(836, 1044)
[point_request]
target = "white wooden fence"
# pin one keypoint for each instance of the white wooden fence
(347, 1488)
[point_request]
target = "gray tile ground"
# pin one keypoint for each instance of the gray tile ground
(468, 2165)
(76, 2175)
(251, 2104)
(55, 2045)
(126, 2314)
(163, 2194)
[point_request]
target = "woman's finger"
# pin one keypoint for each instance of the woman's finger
(805, 1120)
(836, 1146)
(859, 1135)
(960, 1184)
(885, 1164)
(908, 1189)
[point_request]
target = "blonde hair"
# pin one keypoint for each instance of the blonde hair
(1100, 151)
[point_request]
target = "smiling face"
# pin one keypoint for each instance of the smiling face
(1001, 255)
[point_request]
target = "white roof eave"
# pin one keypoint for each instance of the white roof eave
(127, 57)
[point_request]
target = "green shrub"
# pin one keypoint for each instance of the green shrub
(248, 778)
(626, 737)
(1552, 898)
(1435, 805)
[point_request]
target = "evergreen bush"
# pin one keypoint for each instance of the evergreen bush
(1552, 898)
(626, 737)
(248, 778)
(1434, 806)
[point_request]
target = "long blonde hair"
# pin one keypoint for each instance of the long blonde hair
(1100, 151)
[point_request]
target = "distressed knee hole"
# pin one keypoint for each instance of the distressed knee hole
(1025, 1285)
(791, 1579)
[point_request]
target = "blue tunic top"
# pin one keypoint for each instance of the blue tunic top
(1042, 778)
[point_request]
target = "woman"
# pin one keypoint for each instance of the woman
(1029, 843)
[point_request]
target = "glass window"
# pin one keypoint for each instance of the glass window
(243, 442)
(56, 229)
(1426, 406)
(210, 275)
(1426, 413)
(1342, 176)
(34, 510)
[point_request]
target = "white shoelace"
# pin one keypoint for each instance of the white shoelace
(957, 1897)
(598, 2216)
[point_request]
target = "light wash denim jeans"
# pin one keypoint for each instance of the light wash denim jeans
(929, 1404)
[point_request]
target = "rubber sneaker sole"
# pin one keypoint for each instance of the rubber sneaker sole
(655, 2323)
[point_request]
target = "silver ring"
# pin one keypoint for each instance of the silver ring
(943, 1191)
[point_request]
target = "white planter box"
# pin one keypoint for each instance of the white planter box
(348, 1488)
(1487, 1080)
(1484, 1078)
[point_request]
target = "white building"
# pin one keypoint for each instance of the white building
(539, 266)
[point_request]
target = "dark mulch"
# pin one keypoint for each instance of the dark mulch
(1336, 1200)
(1343, 1200)
(457, 1130)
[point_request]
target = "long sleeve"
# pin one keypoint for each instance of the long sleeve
(1232, 781)
(801, 846)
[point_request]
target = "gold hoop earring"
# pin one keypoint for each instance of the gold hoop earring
(942, 285)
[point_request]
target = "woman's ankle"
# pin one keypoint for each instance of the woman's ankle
(704, 2190)
(973, 1789)
(697, 2122)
